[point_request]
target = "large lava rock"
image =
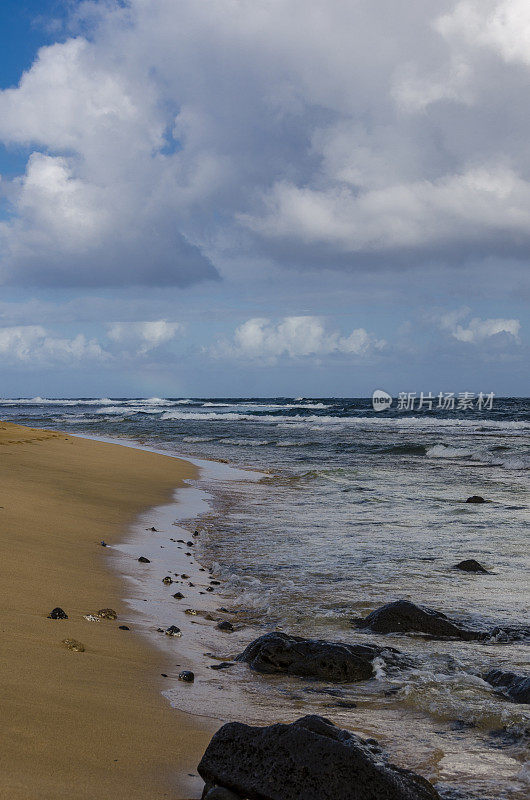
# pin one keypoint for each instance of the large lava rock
(311, 759)
(516, 687)
(403, 616)
(313, 658)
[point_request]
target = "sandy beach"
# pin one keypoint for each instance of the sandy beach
(89, 724)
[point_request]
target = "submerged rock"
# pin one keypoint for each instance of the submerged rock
(402, 616)
(107, 613)
(333, 661)
(73, 644)
(476, 498)
(225, 625)
(144, 560)
(58, 613)
(310, 759)
(173, 631)
(470, 565)
(516, 687)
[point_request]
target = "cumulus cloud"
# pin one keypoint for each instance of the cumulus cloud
(144, 336)
(476, 330)
(35, 345)
(166, 137)
(295, 337)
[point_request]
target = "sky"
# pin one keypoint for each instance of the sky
(280, 198)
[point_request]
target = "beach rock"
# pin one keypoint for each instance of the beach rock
(124, 627)
(330, 661)
(222, 665)
(91, 618)
(144, 560)
(402, 616)
(310, 759)
(184, 576)
(178, 596)
(152, 529)
(510, 633)
(107, 613)
(173, 631)
(103, 544)
(209, 589)
(470, 565)
(167, 580)
(57, 613)
(225, 626)
(215, 583)
(191, 612)
(476, 498)
(74, 645)
(516, 687)
(187, 676)
(190, 544)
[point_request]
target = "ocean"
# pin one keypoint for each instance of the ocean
(346, 509)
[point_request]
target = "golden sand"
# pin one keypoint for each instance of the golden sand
(81, 724)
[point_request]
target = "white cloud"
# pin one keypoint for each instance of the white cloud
(144, 336)
(476, 330)
(295, 337)
(179, 134)
(33, 344)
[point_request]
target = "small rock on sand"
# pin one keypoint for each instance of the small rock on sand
(144, 560)
(58, 613)
(167, 580)
(73, 644)
(173, 631)
(107, 613)
(178, 596)
(187, 676)
(124, 627)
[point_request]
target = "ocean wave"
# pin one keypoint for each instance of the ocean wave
(492, 459)
(245, 442)
(46, 401)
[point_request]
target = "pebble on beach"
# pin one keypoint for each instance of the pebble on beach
(178, 596)
(74, 645)
(144, 560)
(107, 613)
(173, 631)
(167, 580)
(58, 613)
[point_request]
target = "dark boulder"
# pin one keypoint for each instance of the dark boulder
(402, 616)
(313, 658)
(187, 676)
(144, 560)
(516, 687)
(57, 613)
(476, 498)
(470, 565)
(225, 625)
(310, 759)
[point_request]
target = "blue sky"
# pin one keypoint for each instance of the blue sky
(264, 199)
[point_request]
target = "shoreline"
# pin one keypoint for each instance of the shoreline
(93, 722)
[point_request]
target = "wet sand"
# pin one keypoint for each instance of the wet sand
(89, 724)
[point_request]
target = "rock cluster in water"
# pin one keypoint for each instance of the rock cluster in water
(310, 759)
(313, 658)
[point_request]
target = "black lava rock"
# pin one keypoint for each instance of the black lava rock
(330, 661)
(516, 687)
(476, 498)
(470, 565)
(403, 616)
(310, 759)
(187, 676)
(57, 613)
(144, 560)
